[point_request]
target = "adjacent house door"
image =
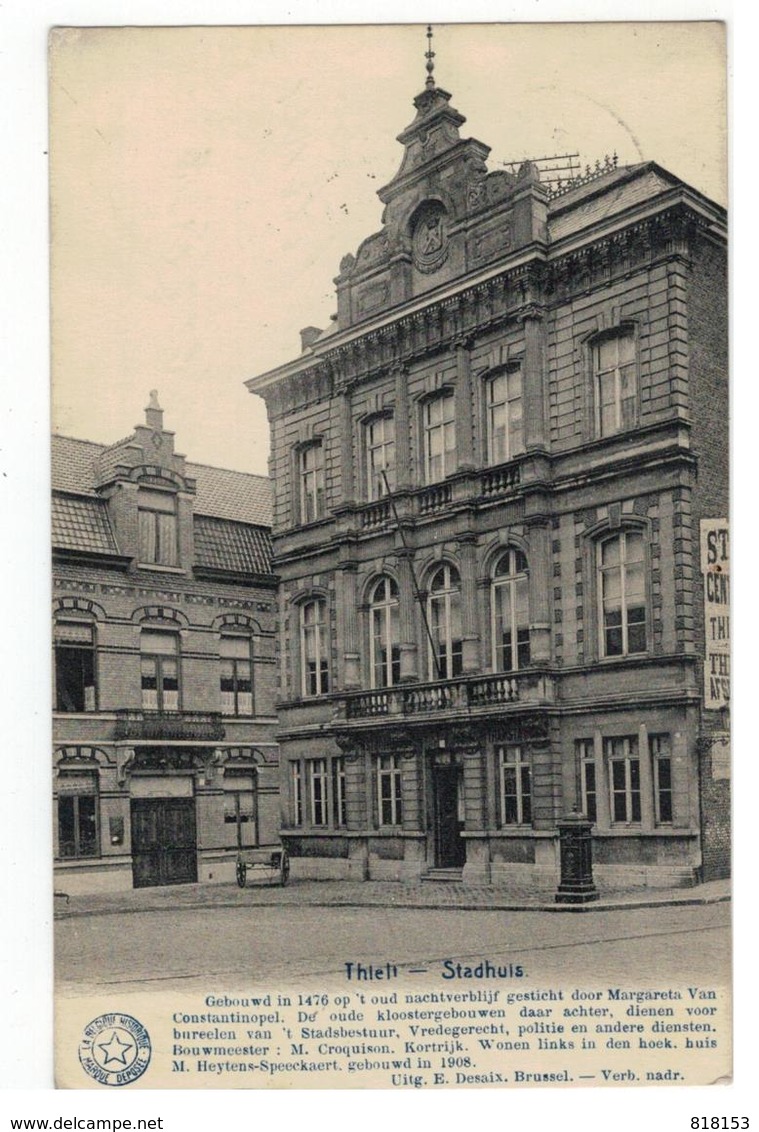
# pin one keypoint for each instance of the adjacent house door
(164, 849)
(450, 850)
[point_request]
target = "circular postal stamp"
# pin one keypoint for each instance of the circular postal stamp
(115, 1049)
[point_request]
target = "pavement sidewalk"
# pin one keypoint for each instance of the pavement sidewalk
(390, 894)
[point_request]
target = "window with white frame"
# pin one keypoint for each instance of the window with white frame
(379, 436)
(515, 786)
(505, 431)
(339, 816)
(510, 612)
(158, 533)
(389, 796)
(236, 681)
(624, 779)
(444, 620)
(586, 766)
(661, 757)
(311, 474)
(296, 792)
(384, 631)
(317, 782)
(241, 810)
(439, 438)
(622, 594)
(314, 641)
(159, 670)
(74, 643)
(615, 383)
(78, 834)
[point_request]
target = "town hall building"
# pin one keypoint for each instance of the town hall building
(490, 475)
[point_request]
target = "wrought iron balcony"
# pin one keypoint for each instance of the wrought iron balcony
(467, 693)
(138, 724)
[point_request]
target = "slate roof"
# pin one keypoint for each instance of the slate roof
(82, 524)
(230, 508)
(222, 545)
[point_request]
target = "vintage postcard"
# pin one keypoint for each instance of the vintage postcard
(391, 556)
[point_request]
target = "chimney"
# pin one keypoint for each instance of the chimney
(154, 413)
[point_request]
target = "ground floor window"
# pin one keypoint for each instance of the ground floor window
(318, 791)
(585, 753)
(624, 778)
(296, 793)
(659, 746)
(241, 811)
(78, 825)
(389, 782)
(338, 791)
(515, 786)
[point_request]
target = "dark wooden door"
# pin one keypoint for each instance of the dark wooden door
(163, 841)
(450, 851)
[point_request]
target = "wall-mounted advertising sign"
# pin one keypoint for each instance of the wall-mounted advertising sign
(715, 567)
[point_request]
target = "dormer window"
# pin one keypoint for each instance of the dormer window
(159, 544)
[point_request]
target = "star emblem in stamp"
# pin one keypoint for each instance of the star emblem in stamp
(115, 1049)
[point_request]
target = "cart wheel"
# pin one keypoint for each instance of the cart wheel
(284, 869)
(242, 871)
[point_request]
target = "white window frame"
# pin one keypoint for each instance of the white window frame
(318, 791)
(586, 761)
(507, 584)
(296, 784)
(511, 757)
(386, 612)
(445, 598)
(503, 413)
(379, 440)
(389, 772)
(439, 422)
(232, 707)
(622, 366)
(315, 632)
(158, 658)
(311, 482)
(339, 816)
(622, 751)
(623, 567)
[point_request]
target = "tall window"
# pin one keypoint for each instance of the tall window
(516, 787)
(338, 791)
(615, 384)
(311, 468)
(622, 590)
(380, 456)
(587, 771)
(314, 648)
(159, 666)
(296, 787)
(444, 618)
(510, 613)
(240, 810)
(439, 438)
(389, 781)
(505, 431)
(384, 631)
(318, 791)
(236, 680)
(74, 666)
(157, 512)
(624, 778)
(78, 818)
(661, 756)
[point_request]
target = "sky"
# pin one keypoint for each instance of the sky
(207, 181)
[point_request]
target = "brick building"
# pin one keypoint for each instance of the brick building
(165, 758)
(489, 474)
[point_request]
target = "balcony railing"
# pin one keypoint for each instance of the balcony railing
(376, 515)
(465, 693)
(198, 725)
(499, 481)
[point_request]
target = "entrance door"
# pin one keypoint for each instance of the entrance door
(163, 841)
(450, 850)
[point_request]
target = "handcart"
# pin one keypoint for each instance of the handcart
(269, 861)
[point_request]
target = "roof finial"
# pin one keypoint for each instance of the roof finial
(429, 55)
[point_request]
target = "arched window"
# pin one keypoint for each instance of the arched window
(383, 631)
(314, 648)
(444, 618)
(510, 612)
(622, 594)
